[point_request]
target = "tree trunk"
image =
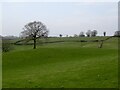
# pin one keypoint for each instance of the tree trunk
(34, 43)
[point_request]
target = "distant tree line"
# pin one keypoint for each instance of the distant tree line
(90, 33)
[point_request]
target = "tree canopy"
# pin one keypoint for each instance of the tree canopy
(34, 30)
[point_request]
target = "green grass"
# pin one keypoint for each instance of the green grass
(0, 63)
(0, 70)
(67, 64)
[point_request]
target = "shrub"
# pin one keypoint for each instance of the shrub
(6, 45)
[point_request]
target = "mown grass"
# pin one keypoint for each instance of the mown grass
(66, 64)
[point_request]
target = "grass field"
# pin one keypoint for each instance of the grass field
(0, 63)
(0, 70)
(66, 64)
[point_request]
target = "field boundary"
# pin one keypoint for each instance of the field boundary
(25, 41)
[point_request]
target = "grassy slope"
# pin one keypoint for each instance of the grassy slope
(69, 64)
(0, 63)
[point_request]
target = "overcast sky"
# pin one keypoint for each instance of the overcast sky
(67, 18)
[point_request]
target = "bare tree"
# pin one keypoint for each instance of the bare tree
(88, 33)
(81, 34)
(34, 30)
(94, 33)
(75, 35)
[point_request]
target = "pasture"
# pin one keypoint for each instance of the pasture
(65, 64)
(0, 70)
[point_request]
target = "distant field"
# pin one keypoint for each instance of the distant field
(67, 64)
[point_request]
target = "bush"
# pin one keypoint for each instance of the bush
(6, 45)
